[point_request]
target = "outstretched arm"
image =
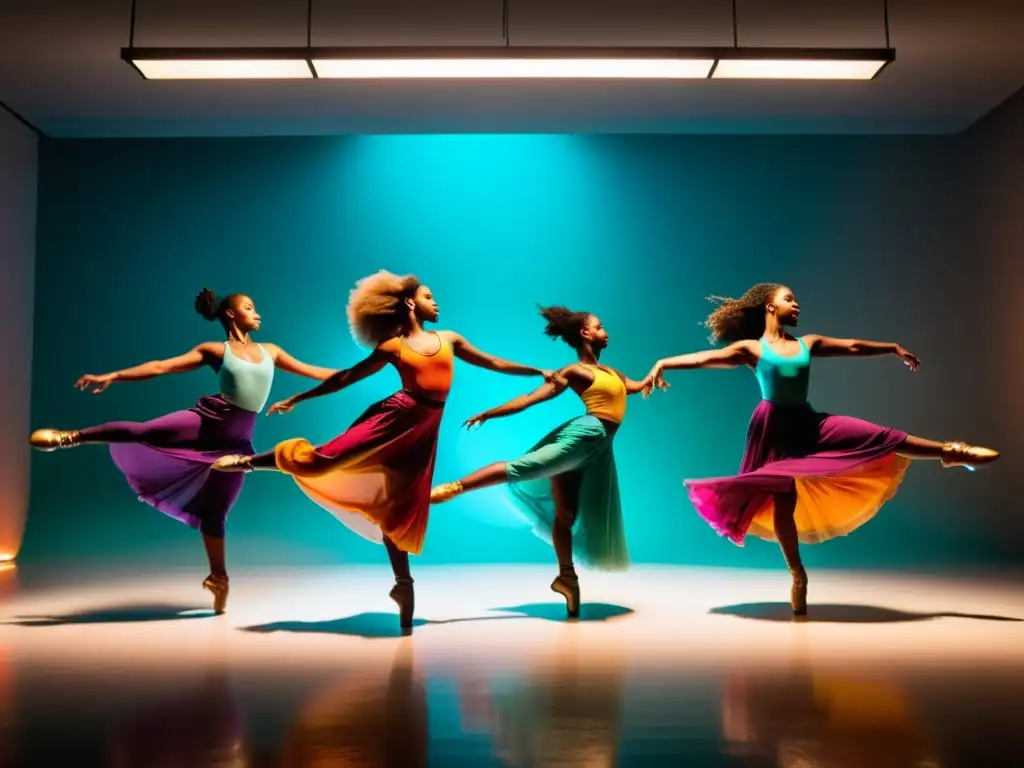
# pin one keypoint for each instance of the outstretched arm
(740, 353)
(204, 354)
(470, 354)
(826, 346)
(286, 362)
(546, 391)
(337, 380)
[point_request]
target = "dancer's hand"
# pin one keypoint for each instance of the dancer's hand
(655, 380)
(477, 420)
(909, 358)
(554, 377)
(99, 383)
(282, 406)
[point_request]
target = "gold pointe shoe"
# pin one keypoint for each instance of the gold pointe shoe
(235, 463)
(219, 587)
(445, 491)
(957, 454)
(51, 439)
(798, 593)
(402, 593)
(570, 590)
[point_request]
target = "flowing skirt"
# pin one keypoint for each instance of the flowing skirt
(581, 448)
(374, 477)
(167, 461)
(842, 469)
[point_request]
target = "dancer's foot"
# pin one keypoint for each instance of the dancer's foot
(957, 454)
(51, 439)
(798, 592)
(569, 588)
(235, 463)
(445, 491)
(402, 593)
(219, 586)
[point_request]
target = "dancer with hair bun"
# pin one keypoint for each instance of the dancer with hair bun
(375, 477)
(567, 486)
(805, 476)
(167, 461)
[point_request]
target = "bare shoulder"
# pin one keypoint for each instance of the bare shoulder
(212, 349)
(389, 349)
(451, 337)
(272, 349)
(748, 347)
(811, 340)
(574, 372)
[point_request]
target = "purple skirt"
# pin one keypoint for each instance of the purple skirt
(842, 470)
(167, 461)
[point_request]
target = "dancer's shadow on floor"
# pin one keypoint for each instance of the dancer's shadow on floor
(115, 614)
(381, 625)
(832, 613)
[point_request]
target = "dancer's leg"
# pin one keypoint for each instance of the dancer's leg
(951, 454)
(565, 492)
(785, 532)
(402, 593)
(174, 428)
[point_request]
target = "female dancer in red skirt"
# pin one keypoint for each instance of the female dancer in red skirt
(805, 475)
(375, 477)
(167, 460)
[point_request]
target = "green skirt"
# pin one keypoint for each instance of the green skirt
(582, 448)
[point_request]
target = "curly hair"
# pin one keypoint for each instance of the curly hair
(212, 307)
(742, 318)
(376, 307)
(565, 324)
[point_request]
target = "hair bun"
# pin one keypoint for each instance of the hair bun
(207, 304)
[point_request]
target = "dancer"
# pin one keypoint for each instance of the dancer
(375, 477)
(167, 461)
(805, 475)
(566, 486)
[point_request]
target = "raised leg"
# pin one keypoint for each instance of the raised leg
(166, 430)
(951, 454)
(492, 474)
(785, 532)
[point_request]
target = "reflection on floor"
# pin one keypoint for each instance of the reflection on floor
(665, 667)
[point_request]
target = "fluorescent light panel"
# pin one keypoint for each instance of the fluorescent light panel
(224, 69)
(507, 63)
(796, 69)
(513, 68)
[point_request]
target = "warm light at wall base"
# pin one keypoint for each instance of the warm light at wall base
(523, 63)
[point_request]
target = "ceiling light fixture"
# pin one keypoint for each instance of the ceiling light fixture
(507, 62)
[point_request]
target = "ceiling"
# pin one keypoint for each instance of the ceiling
(60, 67)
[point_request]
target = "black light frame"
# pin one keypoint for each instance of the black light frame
(309, 54)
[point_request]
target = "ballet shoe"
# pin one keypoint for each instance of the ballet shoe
(957, 454)
(218, 586)
(234, 463)
(444, 492)
(569, 588)
(51, 439)
(798, 592)
(402, 593)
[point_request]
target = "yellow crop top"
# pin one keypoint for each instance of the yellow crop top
(428, 375)
(605, 398)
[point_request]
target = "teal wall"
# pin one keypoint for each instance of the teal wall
(638, 230)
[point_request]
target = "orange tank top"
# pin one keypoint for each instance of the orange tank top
(429, 375)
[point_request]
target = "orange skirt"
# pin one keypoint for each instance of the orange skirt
(376, 476)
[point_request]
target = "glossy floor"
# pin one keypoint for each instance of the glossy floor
(667, 666)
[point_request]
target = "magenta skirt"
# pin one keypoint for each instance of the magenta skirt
(842, 469)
